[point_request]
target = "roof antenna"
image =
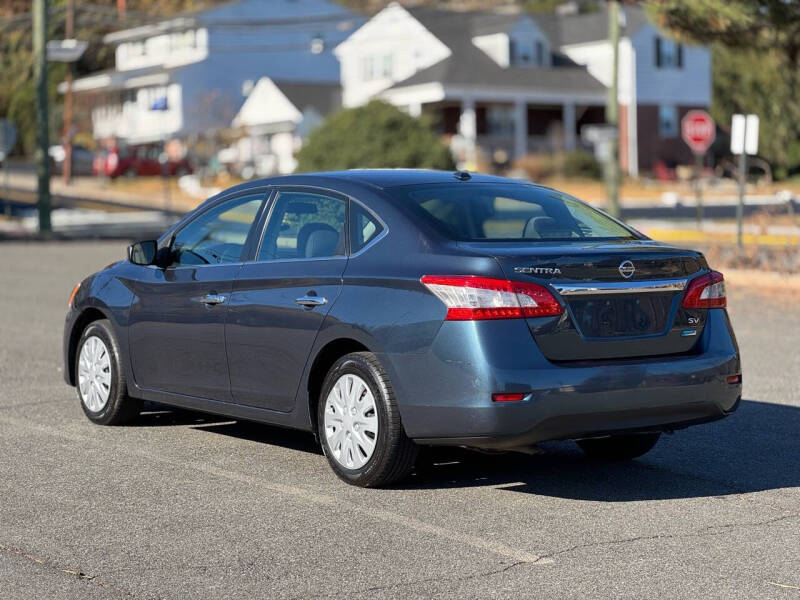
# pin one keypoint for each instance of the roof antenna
(462, 175)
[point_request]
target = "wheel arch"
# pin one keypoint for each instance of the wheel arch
(323, 361)
(87, 316)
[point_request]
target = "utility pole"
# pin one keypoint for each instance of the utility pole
(698, 187)
(66, 140)
(612, 112)
(42, 141)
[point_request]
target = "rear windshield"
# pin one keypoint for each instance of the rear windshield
(507, 212)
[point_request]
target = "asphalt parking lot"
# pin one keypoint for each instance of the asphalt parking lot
(183, 505)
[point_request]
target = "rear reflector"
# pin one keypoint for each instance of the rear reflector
(706, 291)
(508, 397)
(470, 298)
(734, 379)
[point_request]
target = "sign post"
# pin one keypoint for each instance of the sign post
(744, 141)
(698, 131)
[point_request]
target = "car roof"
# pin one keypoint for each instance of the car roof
(386, 178)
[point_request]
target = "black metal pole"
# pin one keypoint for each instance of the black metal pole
(42, 122)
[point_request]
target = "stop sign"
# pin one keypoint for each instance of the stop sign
(698, 130)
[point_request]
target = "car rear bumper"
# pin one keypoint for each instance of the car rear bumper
(445, 396)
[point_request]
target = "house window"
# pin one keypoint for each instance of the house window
(500, 120)
(669, 54)
(667, 121)
(376, 66)
(527, 52)
(521, 52)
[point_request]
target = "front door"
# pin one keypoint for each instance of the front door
(280, 300)
(177, 319)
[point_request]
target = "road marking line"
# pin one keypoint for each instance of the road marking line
(784, 585)
(380, 514)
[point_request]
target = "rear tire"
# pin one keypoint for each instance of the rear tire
(99, 380)
(359, 425)
(619, 447)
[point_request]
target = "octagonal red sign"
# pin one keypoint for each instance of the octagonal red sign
(698, 130)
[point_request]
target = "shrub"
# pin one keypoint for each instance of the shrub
(580, 163)
(537, 166)
(374, 135)
(577, 163)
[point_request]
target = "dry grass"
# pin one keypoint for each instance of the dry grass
(635, 191)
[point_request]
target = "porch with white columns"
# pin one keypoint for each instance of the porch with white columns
(468, 129)
(520, 128)
(568, 120)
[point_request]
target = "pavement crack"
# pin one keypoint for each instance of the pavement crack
(708, 530)
(80, 575)
(457, 579)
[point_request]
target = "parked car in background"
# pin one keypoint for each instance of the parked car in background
(82, 159)
(388, 309)
(140, 160)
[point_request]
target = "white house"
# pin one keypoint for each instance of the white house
(663, 79)
(511, 83)
(276, 117)
(189, 75)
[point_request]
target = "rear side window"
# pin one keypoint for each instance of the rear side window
(218, 235)
(507, 212)
(363, 227)
(304, 225)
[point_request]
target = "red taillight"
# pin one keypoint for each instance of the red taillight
(734, 379)
(470, 298)
(706, 291)
(508, 397)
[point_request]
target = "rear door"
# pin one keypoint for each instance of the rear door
(280, 299)
(177, 320)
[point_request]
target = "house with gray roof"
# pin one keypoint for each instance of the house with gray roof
(508, 84)
(276, 118)
(188, 75)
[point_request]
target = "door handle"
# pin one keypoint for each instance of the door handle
(311, 301)
(213, 299)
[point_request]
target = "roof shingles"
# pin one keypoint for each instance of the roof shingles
(469, 65)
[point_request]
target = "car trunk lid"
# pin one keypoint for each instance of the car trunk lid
(622, 299)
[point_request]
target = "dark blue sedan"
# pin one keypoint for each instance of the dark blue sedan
(388, 309)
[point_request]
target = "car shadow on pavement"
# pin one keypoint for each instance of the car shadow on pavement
(265, 434)
(158, 416)
(757, 448)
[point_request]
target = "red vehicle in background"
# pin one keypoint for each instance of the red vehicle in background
(146, 159)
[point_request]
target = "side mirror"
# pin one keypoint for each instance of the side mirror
(143, 253)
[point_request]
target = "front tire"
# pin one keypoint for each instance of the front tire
(619, 447)
(359, 424)
(99, 380)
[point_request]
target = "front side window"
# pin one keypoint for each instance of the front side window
(304, 225)
(507, 212)
(216, 236)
